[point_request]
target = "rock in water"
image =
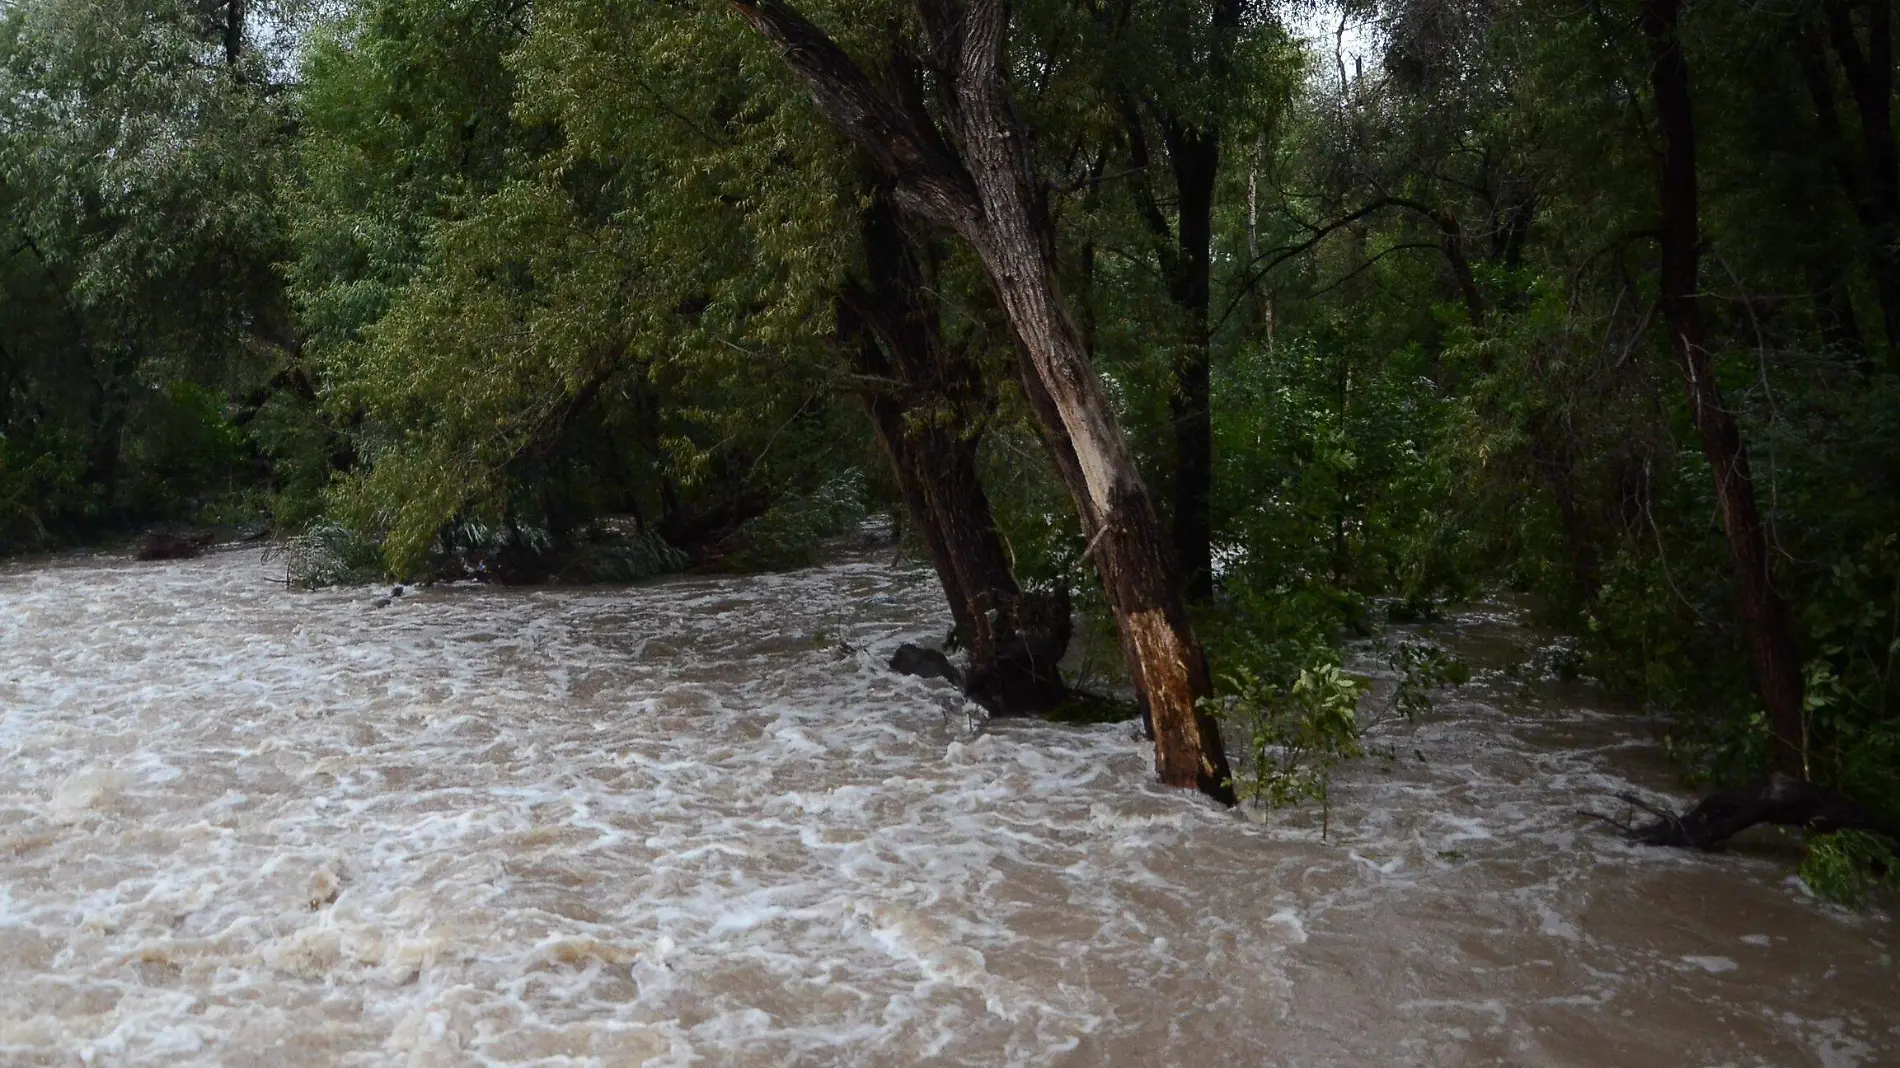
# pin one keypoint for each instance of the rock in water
(911, 659)
(174, 546)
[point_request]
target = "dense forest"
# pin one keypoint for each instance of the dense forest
(1206, 323)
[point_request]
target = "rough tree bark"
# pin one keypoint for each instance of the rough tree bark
(233, 31)
(974, 177)
(926, 399)
(1765, 617)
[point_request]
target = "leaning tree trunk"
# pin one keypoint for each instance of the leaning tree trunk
(1765, 617)
(978, 182)
(925, 399)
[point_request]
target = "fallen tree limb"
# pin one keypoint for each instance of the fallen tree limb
(1780, 800)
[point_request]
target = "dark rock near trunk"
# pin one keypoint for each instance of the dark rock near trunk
(158, 546)
(925, 663)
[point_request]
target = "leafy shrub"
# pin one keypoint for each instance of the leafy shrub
(1298, 727)
(607, 554)
(1845, 867)
(328, 553)
(791, 532)
(1423, 667)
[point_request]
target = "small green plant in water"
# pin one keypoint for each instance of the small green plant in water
(1423, 667)
(1846, 866)
(1297, 728)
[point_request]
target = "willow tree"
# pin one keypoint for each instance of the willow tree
(964, 161)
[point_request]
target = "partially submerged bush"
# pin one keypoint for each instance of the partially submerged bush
(608, 553)
(792, 531)
(328, 553)
(1298, 724)
(1847, 866)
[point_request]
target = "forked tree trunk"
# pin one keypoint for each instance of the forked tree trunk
(1765, 618)
(978, 182)
(926, 399)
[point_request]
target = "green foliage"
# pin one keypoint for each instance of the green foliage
(1299, 723)
(608, 554)
(329, 554)
(471, 286)
(790, 533)
(542, 292)
(1845, 867)
(140, 161)
(1343, 489)
(42, 476)
(1423, 668)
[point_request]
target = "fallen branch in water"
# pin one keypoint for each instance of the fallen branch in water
(1779, 800)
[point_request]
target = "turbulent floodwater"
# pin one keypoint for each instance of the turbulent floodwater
(697, 823)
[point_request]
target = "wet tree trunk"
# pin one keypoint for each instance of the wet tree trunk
(1765, 617)
(975, 178)
(1194, 152)
(926, 399)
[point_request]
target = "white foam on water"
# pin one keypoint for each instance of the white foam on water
(697, 822)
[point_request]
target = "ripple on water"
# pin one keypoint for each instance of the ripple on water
(669, 824)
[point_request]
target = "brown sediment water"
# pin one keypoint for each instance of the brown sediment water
(697, 822)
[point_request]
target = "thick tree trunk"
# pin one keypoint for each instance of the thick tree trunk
(1765, 616)
(1195, 155)
(978, 182)
(926, 409)
(1451, 240)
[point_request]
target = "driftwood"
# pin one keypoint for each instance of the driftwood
(174, 546)
(1779, 800)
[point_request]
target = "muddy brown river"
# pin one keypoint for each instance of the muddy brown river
(697, 823)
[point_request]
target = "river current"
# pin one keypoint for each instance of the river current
(698, 822)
